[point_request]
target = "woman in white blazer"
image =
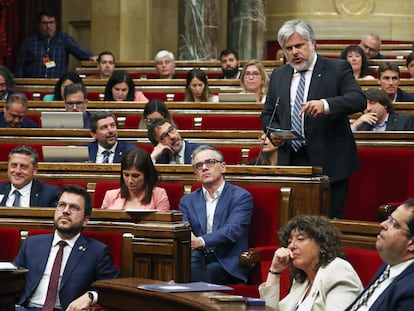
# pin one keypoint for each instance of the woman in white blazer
(322, 280)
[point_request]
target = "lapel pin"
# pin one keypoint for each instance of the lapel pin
(82, 248)
(319, 75)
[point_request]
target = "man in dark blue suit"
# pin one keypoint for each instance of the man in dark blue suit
(219, 215)
(395, 244)
(169, 147)
(85, 260)
(22, 189)
(328, 95)
(388, 75)
(106, 148)
(379, 115)
(14, 112)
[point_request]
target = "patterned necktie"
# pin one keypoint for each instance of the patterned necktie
(17, 196)
(365, 296)
(54, 279)
(296, 117)
(106, 154)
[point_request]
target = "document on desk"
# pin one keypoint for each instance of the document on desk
(7, 266)
(286, 134)
(183, 287)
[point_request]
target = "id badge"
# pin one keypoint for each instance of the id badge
(50, 64)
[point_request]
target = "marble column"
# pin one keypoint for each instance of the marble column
(246, 27)
(199, 24)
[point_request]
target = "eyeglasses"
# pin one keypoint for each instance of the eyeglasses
(208, 163)
(47, 22)
(395, 224)
(369, 48)
(80, 103)
(73, 208)
(253, 74)
(16, 116)
(171, 130)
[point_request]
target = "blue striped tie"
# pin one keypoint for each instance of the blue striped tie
(365, 296)
(17, 196)
(296, 117)
(106, 154)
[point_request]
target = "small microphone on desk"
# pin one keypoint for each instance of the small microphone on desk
(268, 129)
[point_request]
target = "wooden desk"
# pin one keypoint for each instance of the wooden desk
(11, 286)
(123, 295)
(158, 243)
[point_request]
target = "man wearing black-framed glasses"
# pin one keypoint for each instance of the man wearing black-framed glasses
(169, 147)
(219, 215)
(392, 288)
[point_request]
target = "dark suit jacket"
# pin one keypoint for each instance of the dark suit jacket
(329, 139)
(26, 123)
(396, 122)
(120, 149)
(230, 226)
(403, 96)
(85, 265)
(164, 158)
(399, 295)
(41, 194)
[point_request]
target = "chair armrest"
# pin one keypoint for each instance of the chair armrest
(252, 257)
(386, 210)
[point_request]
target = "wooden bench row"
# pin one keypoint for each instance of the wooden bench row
(244, 138)
(174, 91)
(309, 188)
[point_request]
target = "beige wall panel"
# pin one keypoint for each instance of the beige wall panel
(345, 19)
(164, 26)
(105, 27)
(135, 33)
(76, 21)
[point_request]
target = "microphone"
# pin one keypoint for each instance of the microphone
(268, 129)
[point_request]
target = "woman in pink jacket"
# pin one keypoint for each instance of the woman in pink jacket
(138, 185)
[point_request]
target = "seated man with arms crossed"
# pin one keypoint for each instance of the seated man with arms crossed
(219, 215)
(82, 260)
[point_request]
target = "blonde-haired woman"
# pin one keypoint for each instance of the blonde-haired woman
(254, 79)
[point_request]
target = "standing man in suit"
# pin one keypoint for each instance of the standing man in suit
(14, 113)
(22, 190)
(395, 244)
(329, 93)
(379, 115)
(388, 75)
(84, 261)
(106, 148)
(219, 215)
(169, 147)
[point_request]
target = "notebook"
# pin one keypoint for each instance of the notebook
(62, 119)
(237, 97)
(65, 153)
